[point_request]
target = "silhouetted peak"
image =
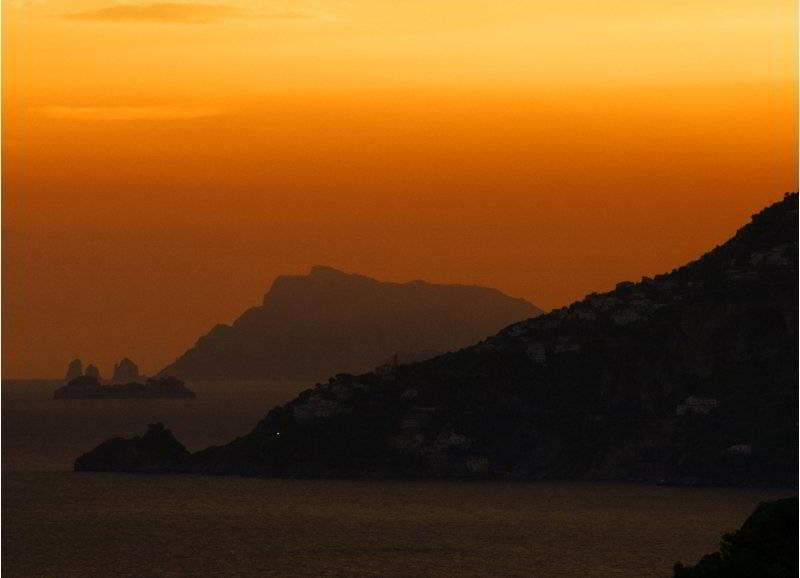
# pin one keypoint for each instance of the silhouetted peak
(156, 451)
(328, 320)
(328, 274)
(155, 429)
(161, 443)
(325, 271)
(319, 277)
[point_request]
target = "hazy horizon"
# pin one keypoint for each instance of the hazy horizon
(598, 376)
(165, 161)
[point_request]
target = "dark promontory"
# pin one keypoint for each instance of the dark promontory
(689, 377)
(765, 546)
(156, 451)
(328, 321)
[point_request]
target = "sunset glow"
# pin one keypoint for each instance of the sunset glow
(164, 161)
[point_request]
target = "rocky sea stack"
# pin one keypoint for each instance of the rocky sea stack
(126, 371)
(92, 371)
(74, 369)
(689, 377)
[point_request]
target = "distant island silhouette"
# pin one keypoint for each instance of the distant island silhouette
(329, 322)
(686, 378)
(88, 387)
(126, 382)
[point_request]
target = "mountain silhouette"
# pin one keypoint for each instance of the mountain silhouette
(328, 322)
(687, 378)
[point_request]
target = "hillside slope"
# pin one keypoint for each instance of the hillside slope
(689, 378)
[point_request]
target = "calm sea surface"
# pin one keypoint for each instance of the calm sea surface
(59, 523)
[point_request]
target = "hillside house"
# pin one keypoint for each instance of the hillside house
(625, 317)
(536, 353)
(315, 407)
(477, 464)
(698, 405)
(416, 419)
(740, 449)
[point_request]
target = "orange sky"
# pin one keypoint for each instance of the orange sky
(163, 162)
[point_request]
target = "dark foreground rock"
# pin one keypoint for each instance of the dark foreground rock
(687, 378)
(87, 387)
(765, 546)
(156, 451)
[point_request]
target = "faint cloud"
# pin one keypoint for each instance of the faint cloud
(24, 3)
(186, 13)
(129, 112)
(288, 15)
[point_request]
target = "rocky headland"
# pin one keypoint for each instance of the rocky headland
(157, 451)
(765, 546)
(689, 377)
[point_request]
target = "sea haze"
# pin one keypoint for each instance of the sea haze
(60, 523)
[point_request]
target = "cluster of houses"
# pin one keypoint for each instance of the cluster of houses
(698, 405)
(439, 450)
(704, 406)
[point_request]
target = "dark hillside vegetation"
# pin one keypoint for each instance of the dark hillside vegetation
(687, 378)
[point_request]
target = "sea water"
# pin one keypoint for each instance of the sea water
(60, 523)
